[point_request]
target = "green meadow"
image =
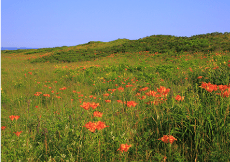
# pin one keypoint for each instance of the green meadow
(159, 98)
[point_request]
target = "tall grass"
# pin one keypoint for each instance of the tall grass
(142, 97)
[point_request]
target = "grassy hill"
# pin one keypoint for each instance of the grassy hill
(164, 44)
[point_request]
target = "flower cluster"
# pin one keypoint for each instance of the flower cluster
(87, 105)
(92, 126)
(168, 139)
(12, 117)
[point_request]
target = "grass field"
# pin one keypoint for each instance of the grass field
(114, 106)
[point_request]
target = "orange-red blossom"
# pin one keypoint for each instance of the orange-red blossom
(212, 87)
(3, 127)
(97, 114)
(87, 105)
(124, 147)
(92, 126)
(131, 103)
(12, 117)
(18, 133)
(168, 139)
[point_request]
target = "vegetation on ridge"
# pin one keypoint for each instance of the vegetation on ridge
(164, 44)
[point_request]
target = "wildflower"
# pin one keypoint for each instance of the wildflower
(168, 139)
(12, 117)
(90, 126)
(64, 88)
(131, 103)
(106, 94)
(179, 98)
(112, 90)
(143, 97)
(151, 93)
(94, 105)
(100, 125)
(3, 127)
(86, 105)
(163, 90)
(18, 133)
(143, 89)
(171, 139)
(16, 117)
(120, 89)
(97, 114)
(37, 93)
(124, 147)
(93, 126)
(164, 139)
(107, 101)
(119, 101)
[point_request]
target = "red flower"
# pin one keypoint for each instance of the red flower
(64, 88)
(124, 147)
(143, 89)
(86, 105)
(94, 105)
(37, 93)
(107, 101)
(119, 101)
(120, 89)
(12, 117)
(168, 139)
(100, 125)
(91, 126)
(97, 114)
(3, 127)
(164, 139)
(18, 133)
(179, 98)
(16, 117)
(131, 103)
(106, 94)
(172, 139)
(46, 95)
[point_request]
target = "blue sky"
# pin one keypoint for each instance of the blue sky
(56, 23)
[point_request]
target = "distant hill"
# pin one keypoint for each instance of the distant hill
(164, 44)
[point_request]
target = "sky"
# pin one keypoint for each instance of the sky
(57, 23)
